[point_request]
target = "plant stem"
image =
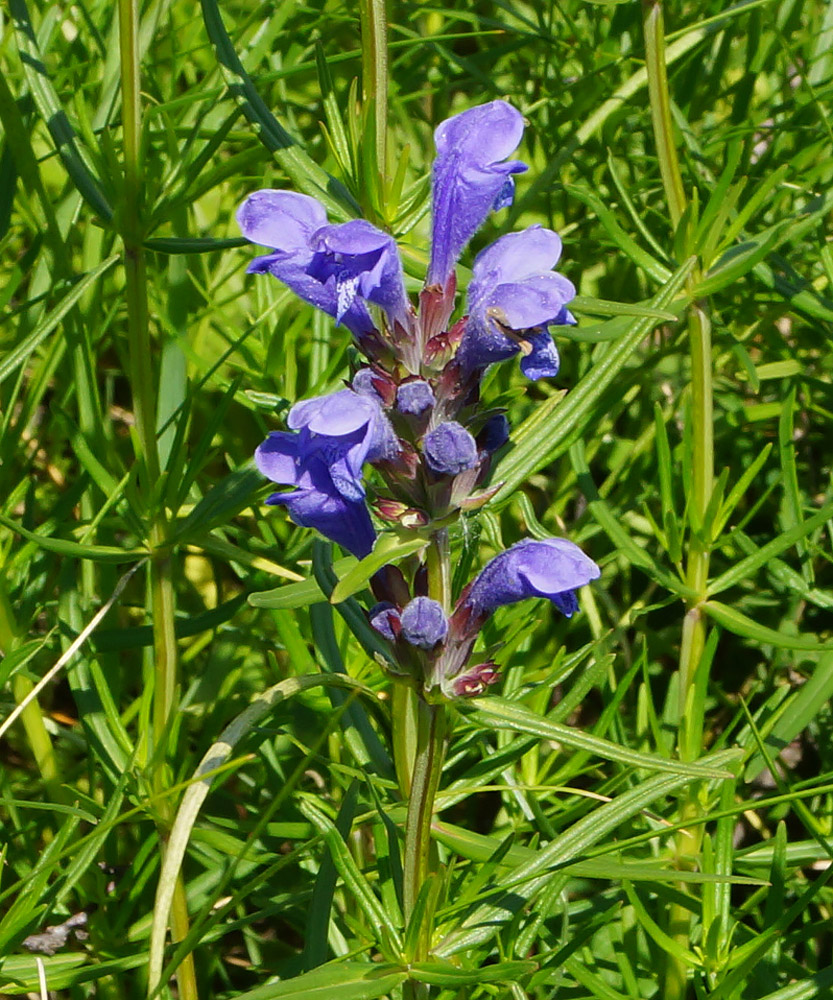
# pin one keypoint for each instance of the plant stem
(162, 597)
(669, 165)
(431, 726)
(702, 483)
(373, 14)
(431, 732)
(675, 981)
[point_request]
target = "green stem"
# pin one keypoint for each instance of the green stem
(431, 726)
(660, 99)
(702, 486)
(142, 381)
(31, 717)
(675, 979)
(374, 21)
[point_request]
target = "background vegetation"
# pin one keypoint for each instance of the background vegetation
(293, 859)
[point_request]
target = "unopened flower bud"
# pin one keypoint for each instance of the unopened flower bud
(449, 449)
(475, 680)
(375, 384)
(424, 623)
(414, 397)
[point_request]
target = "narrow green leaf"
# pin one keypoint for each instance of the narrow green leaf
(666, 943)
(798, 712)
(614, 530)
(791, 510)
(75, 158)
(485, 849)
(446, 974)
(621, 239)
(227, 498)
(527, 879)
(739, 489)
(498, 713)
(217, 754)
(336, 981)
(390, 548)
(192, 244)
(737, 622)
(304, 172)
(75, 550)
(746, 567)
(352, 877)
(23, 351)
(583, 304)
(298, 595)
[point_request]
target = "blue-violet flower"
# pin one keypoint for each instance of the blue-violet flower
(333, 267)
(469, 179)
(449, 449)
(424, 623)
(316, 502)
(345, 429)
(514, 295)
(551, 567)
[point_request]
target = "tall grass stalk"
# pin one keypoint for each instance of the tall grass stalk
(694, 630)
(142, 382)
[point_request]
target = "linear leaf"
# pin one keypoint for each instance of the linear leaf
(737, 622)
(336, 981)
(532, 876)
(75, 550)
(352, 877)
(746, 567)
(217, 754)
(21, 353)
(389, 548)
(498, 713)
(305, 173)
(75, 157)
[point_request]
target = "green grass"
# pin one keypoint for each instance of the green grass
(600, 833)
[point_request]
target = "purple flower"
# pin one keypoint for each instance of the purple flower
(551, 568)
(424, 623)
(345, 430)
(381, 615)
(362, 261)
(414, 397)
(449, 449)
(333, 267)
(514, 295)
(469, 178)
(316, 502)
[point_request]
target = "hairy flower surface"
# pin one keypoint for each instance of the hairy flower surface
(469, 179)
(334, 267)
(316, 502)
(345, 430)
(424, 623)
(514, 295)
(552, 568)
(450, 449)
(414, 397)
(363, 262)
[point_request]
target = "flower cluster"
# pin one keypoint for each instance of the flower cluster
(413, 410)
